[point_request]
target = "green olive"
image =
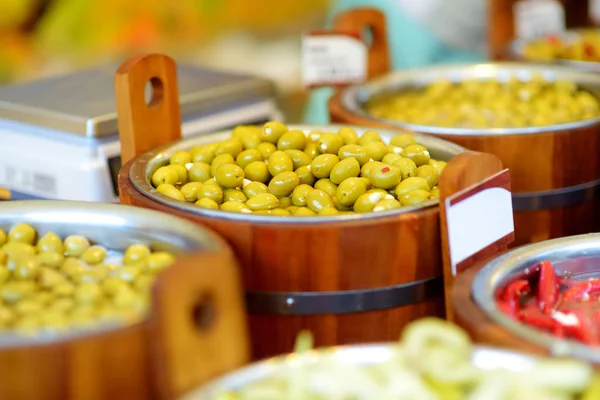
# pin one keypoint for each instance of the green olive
(50, 243)
(348, 135)
(326, 185)
(136, 253)
(280, 212)
(90, 275)
(300, 194)
(199, 172)
(207, 203)
(88, 293)
(231, 146)
(366, 169)
(64, 289)
(280, 162)
(166, 174)
(368, 137)
(386, 204)
(21, 233)
(266, 149)
(394, 149)
(93, 255)
(72, 266)
(408, 168)
(330, 143)
(75, 245)
(190, 191)
(376, 150)
(305, 175)
(170, 191)
(257, 171)
(428, 173)
(417, 153)
(390, 158)
(182, 173)
(219, 160)
(2, 237)
(272, 131)
(236, 207)
(312, 150)
(329, 211)
(12, 249)
(318, 199)
(204, 154)
(283, 184)
(355, 151)
(213, 192)
(348, 168)
(292, 209)
(414, 197)
(234, 195)
(181, 157)
(24, 267)
(285, 202)
(438, 165)
(248, 156)
(304, 212)
(4, 274)
(411, 184)
(403, 140)
(350, 190)
(48, 278)
(128, 273)
(292, 140)
(249, 135)
(263, 201)
(29, 307)
(213, 182)
(255, 188)
(322, 165)
(385, 176)
(52, 260)
(230, 176)
(367, 202)
(299, 158)
(14, 291)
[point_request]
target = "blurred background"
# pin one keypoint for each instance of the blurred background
(48, 37)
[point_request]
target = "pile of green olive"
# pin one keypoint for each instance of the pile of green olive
(488, 104)
(272, 170)
(51, 284)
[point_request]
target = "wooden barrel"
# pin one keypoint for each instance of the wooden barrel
(195, 329)
(348, 278)
(473, 293)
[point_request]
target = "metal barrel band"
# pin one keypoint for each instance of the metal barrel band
(344, 302)
(557, 198)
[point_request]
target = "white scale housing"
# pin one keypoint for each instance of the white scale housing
(59, 139)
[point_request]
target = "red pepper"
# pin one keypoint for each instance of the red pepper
(534, 317)
(548, 287)
(588, 50)
(507, 308)
(512, 294)
(582, 290)
(553, 39)
(584, 330)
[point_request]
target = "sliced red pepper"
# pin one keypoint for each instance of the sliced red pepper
(534, 317)
(513, 293)
(507, 308)
(584, 330)
(588, 49)
(548, 287)
(582, 290)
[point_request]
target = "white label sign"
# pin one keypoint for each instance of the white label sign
(333, 59)
(477, 220)
(538, 17)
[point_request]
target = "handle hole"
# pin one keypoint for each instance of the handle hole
(153, 92)
(203, 312)
(367, 36)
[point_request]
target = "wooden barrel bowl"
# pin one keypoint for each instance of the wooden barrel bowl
(348, 278)
(555, 170)
(472, 293)
(172, 350)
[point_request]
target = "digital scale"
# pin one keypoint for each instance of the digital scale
(59, 138)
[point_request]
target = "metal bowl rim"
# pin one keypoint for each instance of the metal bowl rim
(139, 177)
(349, 98)
(492, 274)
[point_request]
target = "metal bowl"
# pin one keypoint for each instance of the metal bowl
(143, 167)
(110, 225)
(354, 97)
(578, 255)
(517, 50)
(483, 358)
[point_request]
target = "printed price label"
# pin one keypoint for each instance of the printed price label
(332, 58)
(479, 220)
(538, 17)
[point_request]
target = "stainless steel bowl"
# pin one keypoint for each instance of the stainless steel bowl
(517, 50)
(142, 169)
(110, 225)
(578, 255)
(483, 357)
(354, 97)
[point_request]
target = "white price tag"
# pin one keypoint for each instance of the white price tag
(595, 10)
(538, 17)
(478, 218)
(333, 58)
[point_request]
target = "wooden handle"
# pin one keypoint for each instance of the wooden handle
(145, 124)
(198, 325)
(361, 19)
(463, 171)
